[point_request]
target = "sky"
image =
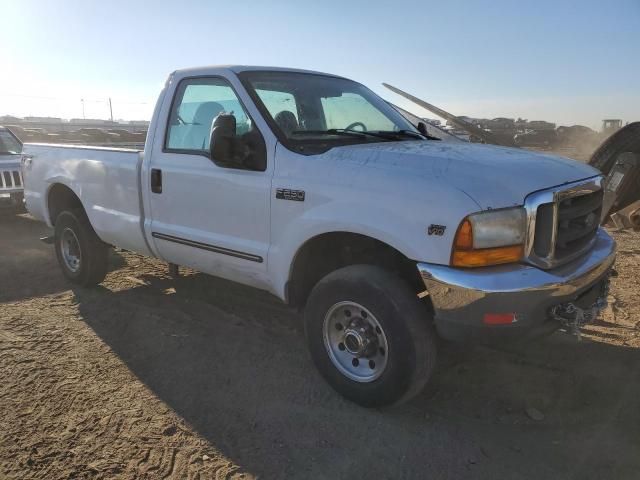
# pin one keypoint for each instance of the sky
(570, 62)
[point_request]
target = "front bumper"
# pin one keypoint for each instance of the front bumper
(462, 297)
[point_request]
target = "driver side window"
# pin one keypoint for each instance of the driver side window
(197, 103)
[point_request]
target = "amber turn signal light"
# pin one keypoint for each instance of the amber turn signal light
(464, 236)
(487, 256)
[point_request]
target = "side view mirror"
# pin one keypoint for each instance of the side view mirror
(226, 149)
(222, 141)
(422, 128)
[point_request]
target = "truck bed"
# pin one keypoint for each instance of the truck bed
(107, 181)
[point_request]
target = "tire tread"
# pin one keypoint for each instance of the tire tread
(95, 259)
(419, 335)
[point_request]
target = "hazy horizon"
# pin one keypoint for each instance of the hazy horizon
(561, 63)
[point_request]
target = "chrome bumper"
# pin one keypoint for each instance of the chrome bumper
(462, 297)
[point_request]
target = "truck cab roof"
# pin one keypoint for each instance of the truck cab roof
(217, 69)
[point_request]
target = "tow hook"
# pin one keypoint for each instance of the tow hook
(573, 317)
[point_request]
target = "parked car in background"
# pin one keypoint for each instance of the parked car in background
(536, 138)
(575, 134)
(11, 189)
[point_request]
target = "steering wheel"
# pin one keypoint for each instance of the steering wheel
(357, 124)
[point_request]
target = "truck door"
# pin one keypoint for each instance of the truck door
(207, 215)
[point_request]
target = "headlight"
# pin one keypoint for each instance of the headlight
(490, 238)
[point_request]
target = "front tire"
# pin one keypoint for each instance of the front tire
(369, 335)
(82, 256)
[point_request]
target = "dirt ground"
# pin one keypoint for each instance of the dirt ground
(153, 377)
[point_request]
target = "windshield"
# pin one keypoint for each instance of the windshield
(311, 113)
(9, 143)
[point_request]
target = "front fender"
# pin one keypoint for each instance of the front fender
(404, 231)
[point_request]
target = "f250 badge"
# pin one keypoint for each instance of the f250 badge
(287, 194)
(436, 229)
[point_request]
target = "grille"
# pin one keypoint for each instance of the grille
(10, 179)
(578, 222)
(563, 222)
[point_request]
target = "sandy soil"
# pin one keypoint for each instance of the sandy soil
(151, 377)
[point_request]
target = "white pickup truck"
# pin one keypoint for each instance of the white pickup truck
(313, 188)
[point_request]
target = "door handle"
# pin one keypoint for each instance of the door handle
(156, 180)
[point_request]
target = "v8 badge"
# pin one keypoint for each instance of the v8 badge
(436, 229)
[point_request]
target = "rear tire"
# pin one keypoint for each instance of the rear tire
(82, 256)
(369, 335)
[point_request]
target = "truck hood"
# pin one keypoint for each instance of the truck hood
(494, 177)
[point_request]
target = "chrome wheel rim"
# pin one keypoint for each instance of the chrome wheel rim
(70, 247)
(355, 341)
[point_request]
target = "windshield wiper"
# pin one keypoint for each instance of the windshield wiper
(343, 131)
(409, 133)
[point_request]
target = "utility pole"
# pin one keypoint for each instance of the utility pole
(111, 109)
(82, 101)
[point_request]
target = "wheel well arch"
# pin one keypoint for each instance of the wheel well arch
(60, 198)
(327, 252)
